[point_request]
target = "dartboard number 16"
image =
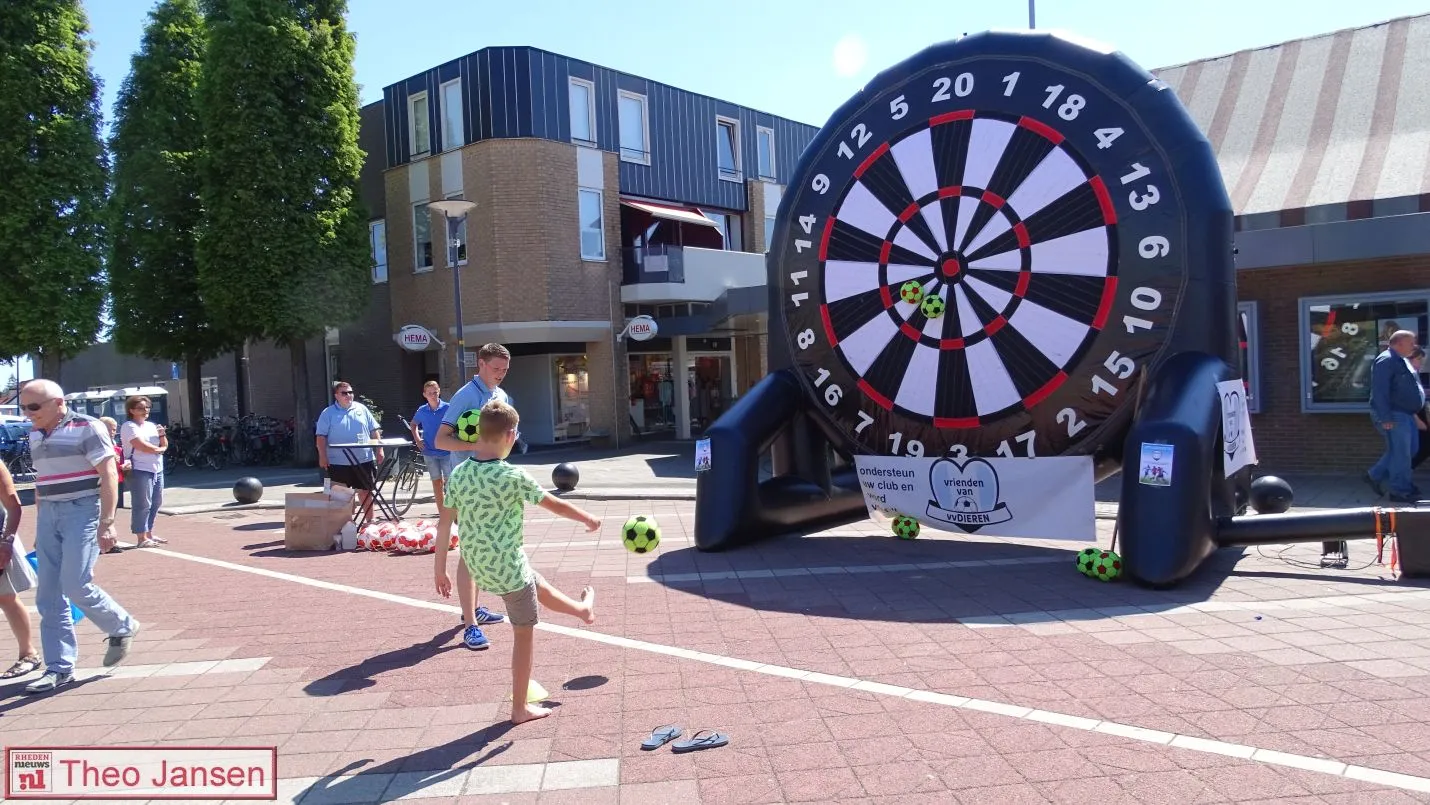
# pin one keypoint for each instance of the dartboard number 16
(979, 261)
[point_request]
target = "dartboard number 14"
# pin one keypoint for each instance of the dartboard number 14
(980, 262)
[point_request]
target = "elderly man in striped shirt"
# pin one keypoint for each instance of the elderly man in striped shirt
(76, 488)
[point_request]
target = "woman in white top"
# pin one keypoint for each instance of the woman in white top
(144, 445)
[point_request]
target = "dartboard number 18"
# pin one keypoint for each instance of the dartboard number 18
(979, 261)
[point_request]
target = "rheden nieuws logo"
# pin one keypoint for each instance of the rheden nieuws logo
(151, 772)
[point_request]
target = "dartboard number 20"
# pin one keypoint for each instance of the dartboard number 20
(979, 261)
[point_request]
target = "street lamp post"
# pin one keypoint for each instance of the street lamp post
(455, 212)
(1031, 18)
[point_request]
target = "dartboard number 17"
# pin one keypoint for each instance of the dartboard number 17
(979, 261)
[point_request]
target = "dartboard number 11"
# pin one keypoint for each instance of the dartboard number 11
(979, 262)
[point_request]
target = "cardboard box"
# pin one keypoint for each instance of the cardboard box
(310, 519)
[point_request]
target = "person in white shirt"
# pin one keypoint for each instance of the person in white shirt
(144, 444)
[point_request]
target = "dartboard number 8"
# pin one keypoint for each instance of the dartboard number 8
(979, 260)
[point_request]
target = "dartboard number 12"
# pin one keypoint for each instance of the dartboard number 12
(979, 261)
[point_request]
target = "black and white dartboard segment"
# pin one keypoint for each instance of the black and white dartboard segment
(1028, 211)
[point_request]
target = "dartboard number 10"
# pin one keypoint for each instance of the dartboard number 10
(980, 295)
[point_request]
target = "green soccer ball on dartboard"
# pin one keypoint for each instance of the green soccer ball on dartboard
(641, 534)
(469, 425)
(1107, 567)
(905, 527)
(932, 306)
(911, 292)
(1086, 560)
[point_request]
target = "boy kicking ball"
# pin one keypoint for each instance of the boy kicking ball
(487, 496)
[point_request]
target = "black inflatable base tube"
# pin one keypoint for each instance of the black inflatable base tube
(1325, 526)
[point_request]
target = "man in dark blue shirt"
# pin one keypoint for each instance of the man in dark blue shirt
(1395, 397)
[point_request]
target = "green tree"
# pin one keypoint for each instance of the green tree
(283, 249)
(52, 183)
(155, 208)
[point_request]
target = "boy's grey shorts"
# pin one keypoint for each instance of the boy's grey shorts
(521, 605)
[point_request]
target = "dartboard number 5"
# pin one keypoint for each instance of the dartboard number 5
(982, 261)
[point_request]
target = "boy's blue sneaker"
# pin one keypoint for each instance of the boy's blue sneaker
(473, 638)
(485, 616)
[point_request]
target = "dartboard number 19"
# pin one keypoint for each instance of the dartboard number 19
(979, 261)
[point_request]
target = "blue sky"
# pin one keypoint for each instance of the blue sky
(800, 60)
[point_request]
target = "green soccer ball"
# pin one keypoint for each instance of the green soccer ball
(911, 292)
(641, 534)
(1107, 567)
(932, 306)
(469, 425)
(905, 527)
(1086, 560)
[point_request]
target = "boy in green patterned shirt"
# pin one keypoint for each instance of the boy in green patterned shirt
(487, 495)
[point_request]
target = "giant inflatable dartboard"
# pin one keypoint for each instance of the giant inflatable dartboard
(981, 251)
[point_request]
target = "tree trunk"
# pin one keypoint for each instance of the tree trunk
(240, 374)
(193, 379)
(50, 367)
(305, 450)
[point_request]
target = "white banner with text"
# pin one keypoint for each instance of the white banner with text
(1041, 498)
(147, 772)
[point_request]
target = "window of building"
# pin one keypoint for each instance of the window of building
(452, 134)
(213, 406)
(593, 228)
(422, 237)
(1248, 331)
(765, 139)
(729, 226)
(727, 148)
(769, 232)
(377, 237)
(419, 127)
(583, 112)
(635, 128)
(1340, 337)
(573, 415)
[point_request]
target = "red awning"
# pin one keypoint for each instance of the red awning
(685, 215)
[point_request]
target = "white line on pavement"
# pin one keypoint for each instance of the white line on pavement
(1321, 765)
(833, 570)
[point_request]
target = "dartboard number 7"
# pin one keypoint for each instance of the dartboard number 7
(978, 261)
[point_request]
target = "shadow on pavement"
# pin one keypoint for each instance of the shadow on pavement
(276, 525)
(357, 677)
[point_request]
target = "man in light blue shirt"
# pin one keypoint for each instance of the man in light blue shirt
(347, 421)
(493, 361)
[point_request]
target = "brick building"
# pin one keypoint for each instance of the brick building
(599, 196)
(1324, 146)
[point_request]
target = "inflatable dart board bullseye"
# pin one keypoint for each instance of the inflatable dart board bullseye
(1022, 180)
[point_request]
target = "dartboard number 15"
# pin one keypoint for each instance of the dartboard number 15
(1130, 189)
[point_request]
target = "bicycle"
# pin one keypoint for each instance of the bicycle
(406, 477)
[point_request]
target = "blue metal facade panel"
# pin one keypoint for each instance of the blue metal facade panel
(525, 92)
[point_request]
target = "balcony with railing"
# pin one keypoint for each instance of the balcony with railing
(659, 273)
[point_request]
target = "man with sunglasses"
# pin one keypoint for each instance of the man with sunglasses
(347, 421)
(76, 489)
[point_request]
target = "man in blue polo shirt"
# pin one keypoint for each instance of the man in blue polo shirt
(347, 421)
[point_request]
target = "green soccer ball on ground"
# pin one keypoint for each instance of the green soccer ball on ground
(911, 292)
(1086, 560)
(1107, 567)
(641, 534)
(469, 425)
(905, 527)
(932, 306)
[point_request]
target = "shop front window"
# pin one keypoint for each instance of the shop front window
(1340, 338)
(573, 414)
(652, 392)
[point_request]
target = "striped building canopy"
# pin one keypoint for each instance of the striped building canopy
(1337, 118)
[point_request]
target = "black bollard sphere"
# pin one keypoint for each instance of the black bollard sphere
(247, 490)
(565, 477)
(1270, 495)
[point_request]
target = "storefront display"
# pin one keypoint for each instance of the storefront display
(1343, 339)
(652, 392)
(573, 415)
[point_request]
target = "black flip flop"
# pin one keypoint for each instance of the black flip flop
(710, 740)
(660, 736)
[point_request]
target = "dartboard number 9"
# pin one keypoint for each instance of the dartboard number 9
(979, 261)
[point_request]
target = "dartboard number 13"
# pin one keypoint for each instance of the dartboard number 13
(979, 261)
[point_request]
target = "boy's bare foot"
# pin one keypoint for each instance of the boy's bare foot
(588, 605)
(530, 712)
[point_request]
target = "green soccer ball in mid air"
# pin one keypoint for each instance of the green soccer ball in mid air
(641, 534)
(932, 306)
(905, 527)
(911, 292)
(469, 425)
(1087, 559)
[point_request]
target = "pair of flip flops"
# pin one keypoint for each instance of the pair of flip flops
(704, 739)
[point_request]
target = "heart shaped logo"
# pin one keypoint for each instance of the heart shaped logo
(972, 487)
